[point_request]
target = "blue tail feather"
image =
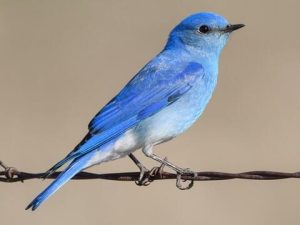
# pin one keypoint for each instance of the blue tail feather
(76, 166)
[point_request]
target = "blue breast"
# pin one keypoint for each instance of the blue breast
(178, 117)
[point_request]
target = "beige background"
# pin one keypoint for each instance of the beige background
(61, 61)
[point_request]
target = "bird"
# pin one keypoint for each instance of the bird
(160, 102)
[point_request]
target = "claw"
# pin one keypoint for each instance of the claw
(158, 171)
(146, 176)
(143, 180)
(179, 180)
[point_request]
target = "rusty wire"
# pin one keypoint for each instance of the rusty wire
(10, 175)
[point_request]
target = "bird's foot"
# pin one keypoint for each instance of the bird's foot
(146, 176)
(10, 172)
(143, 177)
(157, 170)
(180, 181)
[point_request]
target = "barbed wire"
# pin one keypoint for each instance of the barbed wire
(11, 175)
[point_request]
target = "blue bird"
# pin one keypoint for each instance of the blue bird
(161, 101)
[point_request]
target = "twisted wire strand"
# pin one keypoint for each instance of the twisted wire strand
(10, 175)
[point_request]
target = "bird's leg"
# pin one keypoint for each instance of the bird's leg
(142, 181)
(180, 171)
(145, 180)
(169, 164)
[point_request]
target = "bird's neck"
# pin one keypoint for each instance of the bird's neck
(201, 54)
(195, 48)
(208, 59)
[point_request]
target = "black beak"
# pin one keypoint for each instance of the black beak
(233, 27)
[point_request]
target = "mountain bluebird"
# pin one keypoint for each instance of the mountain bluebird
(161, 101)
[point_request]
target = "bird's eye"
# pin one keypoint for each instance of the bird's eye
(203, 29)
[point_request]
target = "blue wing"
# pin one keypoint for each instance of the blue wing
(143, 96)
(151, 90)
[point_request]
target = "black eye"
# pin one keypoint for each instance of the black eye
(203, 29)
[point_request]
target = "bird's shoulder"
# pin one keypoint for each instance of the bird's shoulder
(163, 69)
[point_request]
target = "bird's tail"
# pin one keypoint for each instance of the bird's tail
(76, 166)
(69, 157)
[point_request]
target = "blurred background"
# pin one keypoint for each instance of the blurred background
(61, 61)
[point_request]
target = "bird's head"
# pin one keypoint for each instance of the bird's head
(206, 32)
